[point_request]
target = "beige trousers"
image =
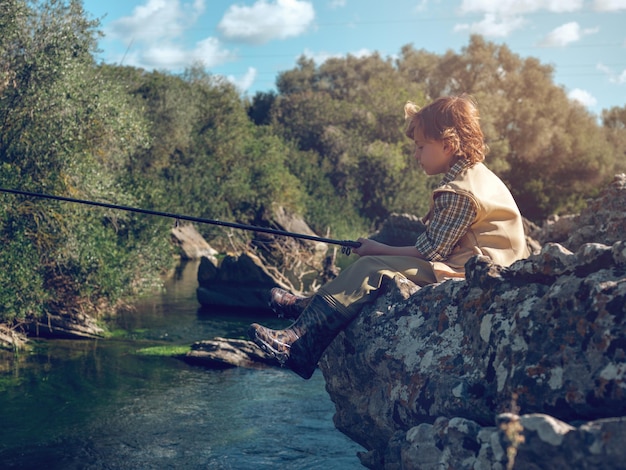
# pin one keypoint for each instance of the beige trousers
(356, 285)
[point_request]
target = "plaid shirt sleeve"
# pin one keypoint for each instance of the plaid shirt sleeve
(452, 215)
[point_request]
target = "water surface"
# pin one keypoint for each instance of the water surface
(102, 405)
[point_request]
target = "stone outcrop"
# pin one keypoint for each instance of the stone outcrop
(191, 245)
(75, 326)
(399, 230)
(240, 281)
(9, 339)
(522, 366)
(223, 353)
(243, 280)
(535, 441)
(602, 221)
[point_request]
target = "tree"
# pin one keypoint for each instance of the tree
(205, 157)
(614, 123)
(549, 150)
(64, 129)
(260, 108)
(348, 113)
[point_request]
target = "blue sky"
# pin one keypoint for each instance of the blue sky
(251, 41)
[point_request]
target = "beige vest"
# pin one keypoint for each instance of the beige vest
(497, 231)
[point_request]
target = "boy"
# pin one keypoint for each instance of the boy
(471, 212)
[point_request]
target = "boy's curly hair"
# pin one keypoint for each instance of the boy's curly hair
(453, 120)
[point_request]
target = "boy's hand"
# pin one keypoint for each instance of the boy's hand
(370, 247)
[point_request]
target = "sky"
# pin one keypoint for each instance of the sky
(251, 41)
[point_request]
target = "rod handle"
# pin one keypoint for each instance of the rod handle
(347, 245)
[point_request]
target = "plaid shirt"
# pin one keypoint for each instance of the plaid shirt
(449, 219)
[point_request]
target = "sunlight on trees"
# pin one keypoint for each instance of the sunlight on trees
(329, 144)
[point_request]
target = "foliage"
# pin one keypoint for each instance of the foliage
(548, 149)
(64, 130)
(347, 116)
(206, 158)
(614, 123)
(328, 144)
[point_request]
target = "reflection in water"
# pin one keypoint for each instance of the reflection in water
(100, 405)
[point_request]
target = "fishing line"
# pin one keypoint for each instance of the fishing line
(346, 245)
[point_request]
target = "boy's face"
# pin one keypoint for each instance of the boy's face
(432, 155)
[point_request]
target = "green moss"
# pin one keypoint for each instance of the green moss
(164, 351)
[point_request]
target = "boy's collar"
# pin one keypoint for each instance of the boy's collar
(460, 165)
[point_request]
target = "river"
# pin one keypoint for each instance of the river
(106, 404)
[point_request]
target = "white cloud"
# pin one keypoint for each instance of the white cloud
(492, 26)
(617, 78)
(502, 17)
(566, 34)
(209, 51)
(322, 56)
(157, 20)
(362, 53)
(333, 4)
(583, 97)
(517, 7)
(167, 55)
(153, 35)
(421, 6)
(245, 82)
(267, 20)
(609, 5)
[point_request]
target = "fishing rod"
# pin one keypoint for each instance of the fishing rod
(346, 245)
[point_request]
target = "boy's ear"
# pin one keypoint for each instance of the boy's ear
(448, 149)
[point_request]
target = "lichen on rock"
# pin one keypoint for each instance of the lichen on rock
(426, 377)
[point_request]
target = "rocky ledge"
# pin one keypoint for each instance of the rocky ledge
(519, 367)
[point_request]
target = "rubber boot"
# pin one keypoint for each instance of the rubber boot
(286, 304)
(300, 346)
